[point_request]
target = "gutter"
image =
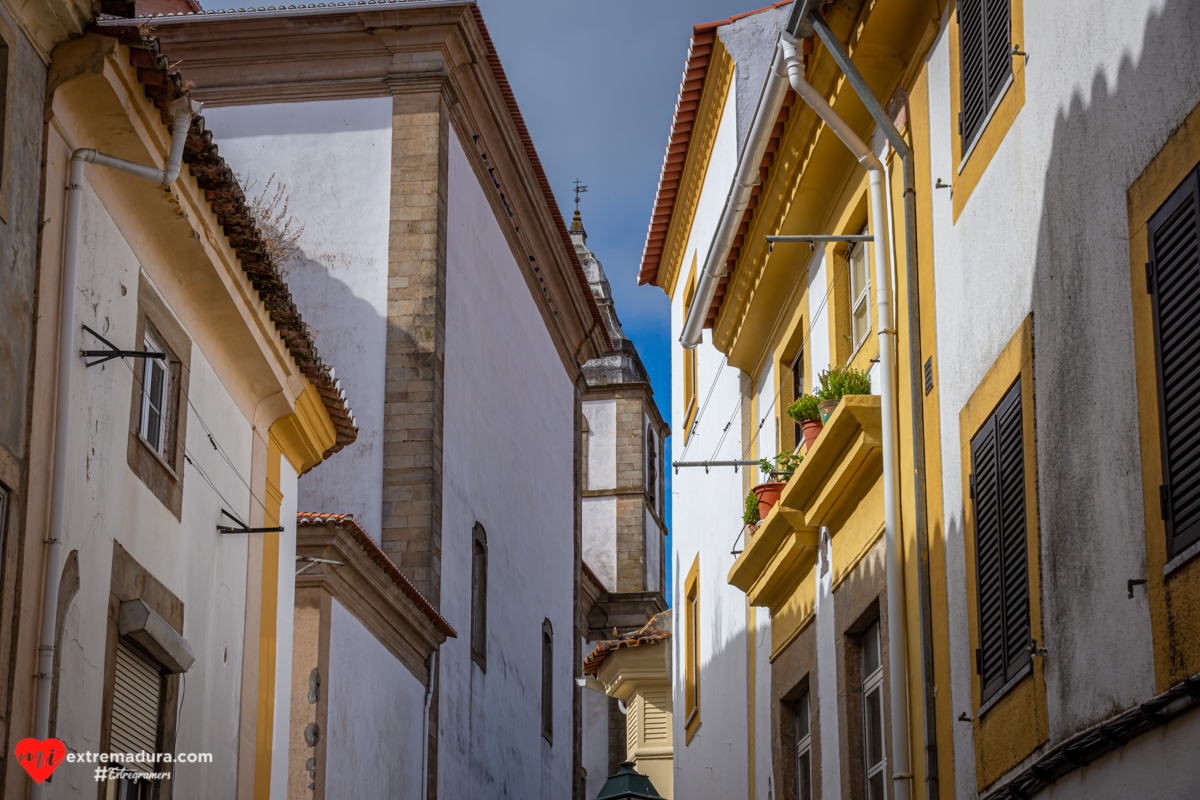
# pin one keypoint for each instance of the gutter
(67, 351)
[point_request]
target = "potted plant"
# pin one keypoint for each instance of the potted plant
(836, 383)
(806, 412)
(751, 516)
(778, 470)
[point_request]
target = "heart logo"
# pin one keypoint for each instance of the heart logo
(40, 759)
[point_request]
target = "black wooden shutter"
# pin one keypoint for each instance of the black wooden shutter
(985, 34)
(1001, 560)
(1175, 284)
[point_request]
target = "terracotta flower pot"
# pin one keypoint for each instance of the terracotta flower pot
(768, 496)
(812, 429)
(826, 408)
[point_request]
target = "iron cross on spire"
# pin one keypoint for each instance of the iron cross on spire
(579, 189)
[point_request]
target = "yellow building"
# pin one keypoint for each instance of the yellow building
(952, 581)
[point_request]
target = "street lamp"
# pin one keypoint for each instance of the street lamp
(628, 784)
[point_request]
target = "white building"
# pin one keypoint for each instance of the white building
(441, 274)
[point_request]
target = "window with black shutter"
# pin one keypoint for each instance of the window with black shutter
(479, 570)
(1001, 550)
(1173, 278)
(547, 681)
(985, 44)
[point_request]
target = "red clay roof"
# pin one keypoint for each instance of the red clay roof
(350, 524)
(164, 84)
(652, 632)
(690, 89)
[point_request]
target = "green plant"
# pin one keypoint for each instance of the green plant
(783, 464)
(751, 517)
(804, 409)
(837, 382)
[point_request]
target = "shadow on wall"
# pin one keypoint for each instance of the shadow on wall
(1089, 479)
(348, 332)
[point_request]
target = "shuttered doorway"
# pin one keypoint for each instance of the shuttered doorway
(136, 704)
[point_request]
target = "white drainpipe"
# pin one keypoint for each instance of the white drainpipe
(67, 353)
(896, 621)
(744, 181)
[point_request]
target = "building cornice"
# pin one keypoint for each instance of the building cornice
(381, 50)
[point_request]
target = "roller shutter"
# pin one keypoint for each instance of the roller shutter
(137, 694)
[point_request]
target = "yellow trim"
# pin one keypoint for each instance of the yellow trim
(705, 126)
(691, 657)
(1175, 627)
(306, 435)
(302, 437)
(751, 679)
(1016, 724)
(965, 180)
(268, 617)
(690, 360)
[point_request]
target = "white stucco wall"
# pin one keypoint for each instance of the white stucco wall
(602, 443)
(1045, 231)
(335, 158)
(508, 464)
(600, 538)
(595, 735)
(107, 502)
(706, 519)
(376, 712)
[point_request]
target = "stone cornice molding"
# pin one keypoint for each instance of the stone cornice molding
(368, 593)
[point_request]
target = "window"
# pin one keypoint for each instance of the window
(1175, 293)
(651, 465)
(690, 366)
(136, 721)
(860, 286)
(997, 487)
(479, 565)
(803, 750)
(872, 675)
(797, 391)
(986, 53)
(691, 660)
(547, 681)
(157, 398)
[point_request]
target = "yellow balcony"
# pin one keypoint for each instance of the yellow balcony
(839, 472)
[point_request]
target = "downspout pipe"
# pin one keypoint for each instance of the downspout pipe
(766, 114)
(896, 618)
(867, 96)
(182, 112)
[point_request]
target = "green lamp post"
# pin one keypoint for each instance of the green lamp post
(628, 784)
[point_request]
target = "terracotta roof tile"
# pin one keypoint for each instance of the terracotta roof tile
(223, 193)
(372, 548)
(658, 629)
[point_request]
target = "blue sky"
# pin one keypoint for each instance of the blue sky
(597, 81)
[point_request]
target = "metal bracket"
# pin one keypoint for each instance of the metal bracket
(113, 352)
(1132, 582)
(243, 527)
(312, 562)
(816, 237)
(1017, 51)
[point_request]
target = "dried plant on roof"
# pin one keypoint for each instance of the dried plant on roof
(280, 231)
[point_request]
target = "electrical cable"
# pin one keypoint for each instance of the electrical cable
(700, 414)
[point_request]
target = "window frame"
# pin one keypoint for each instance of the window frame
(479, 579)
(162, 442)
(691, 361)
(861, 300)
(992, 97)
(803, 786)
(691, 656)
(652, 466)
(547, 705)
(872, 684)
